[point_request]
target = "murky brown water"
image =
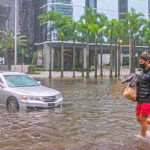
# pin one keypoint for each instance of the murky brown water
(91, 119)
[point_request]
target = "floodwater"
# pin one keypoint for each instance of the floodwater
(91, 118)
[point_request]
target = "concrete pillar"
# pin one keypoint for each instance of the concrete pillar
(80, 56)
(52, 58)
(46, 56)
(99, 60)
(85, 58)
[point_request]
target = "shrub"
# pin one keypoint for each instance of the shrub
(125, 60)
(31, 69)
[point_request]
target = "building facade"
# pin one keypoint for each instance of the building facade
(27, 18)
(149, 9)
(56, 5)
(7, 12)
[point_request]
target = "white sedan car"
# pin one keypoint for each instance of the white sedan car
(18, 90)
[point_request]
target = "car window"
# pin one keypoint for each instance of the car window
(1, 80)
(20, 81)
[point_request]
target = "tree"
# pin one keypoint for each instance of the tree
(82, 37)
(100, 23)
(115, 48)
(24, 54)
(62, 29)
(146, 34)
(118, 35)
(8, 43)
(50, 17)
(72, 29)
(109, 33)
(95, 29)
(135, 22)
(122, 37)
(88, 19)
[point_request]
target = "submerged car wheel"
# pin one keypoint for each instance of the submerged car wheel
(12, 104)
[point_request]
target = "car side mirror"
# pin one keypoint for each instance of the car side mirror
(1, 85)
(39, 82)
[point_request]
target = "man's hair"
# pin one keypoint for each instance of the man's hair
(145, 57)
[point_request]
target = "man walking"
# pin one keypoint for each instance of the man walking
(143, 94)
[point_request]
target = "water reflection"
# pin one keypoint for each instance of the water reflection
(91, 119)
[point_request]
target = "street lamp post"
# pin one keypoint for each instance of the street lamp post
(15, 53)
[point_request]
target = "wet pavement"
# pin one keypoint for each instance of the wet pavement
(91, 118)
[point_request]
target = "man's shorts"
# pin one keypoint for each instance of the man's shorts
(143, 109)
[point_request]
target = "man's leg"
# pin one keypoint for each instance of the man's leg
(138, 118)
(144, 125)
(148, 121)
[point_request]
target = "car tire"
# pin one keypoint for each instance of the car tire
(12, 104)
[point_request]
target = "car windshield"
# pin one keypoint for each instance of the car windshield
(20, 81)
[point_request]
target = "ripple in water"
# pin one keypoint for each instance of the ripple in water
(92, 118)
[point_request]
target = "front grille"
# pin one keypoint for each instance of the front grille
(49, 99)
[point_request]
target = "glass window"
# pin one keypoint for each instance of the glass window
(20, 81)
(1, 80)
(149, 7)
(91, 4)
(123, 7)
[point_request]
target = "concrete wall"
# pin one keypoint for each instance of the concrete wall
(18, 68)
(106, 59)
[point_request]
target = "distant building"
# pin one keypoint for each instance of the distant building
(7, 12)
(149, 9)
(27, 22)
(29, 10)
(65, 10)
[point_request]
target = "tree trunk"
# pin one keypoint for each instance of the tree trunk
(22, 63)
(119, 63)
(50, 68)
(42, 57)
(111, 65)
(87, 55)
(50, 53)
(149, 48)
(132, 56)
(101, 68)
(82, 59)
(62, 58)
(115, 59)
(74, 57)
(96, 57)
(10, 58)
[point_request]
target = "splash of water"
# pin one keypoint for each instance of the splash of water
(117, 89)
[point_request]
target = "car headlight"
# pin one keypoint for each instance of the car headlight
(25, 97)
(58, 96)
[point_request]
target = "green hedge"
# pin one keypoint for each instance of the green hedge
(126, 61)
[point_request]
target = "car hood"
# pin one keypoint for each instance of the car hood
(35, 91)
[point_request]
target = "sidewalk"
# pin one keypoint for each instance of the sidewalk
(69, 74)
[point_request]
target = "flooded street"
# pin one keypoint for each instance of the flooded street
(90, 119)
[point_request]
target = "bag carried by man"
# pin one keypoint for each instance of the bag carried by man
(131, 90)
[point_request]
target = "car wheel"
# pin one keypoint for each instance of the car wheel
(12, 104)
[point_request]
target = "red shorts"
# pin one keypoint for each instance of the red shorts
(143, 109)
